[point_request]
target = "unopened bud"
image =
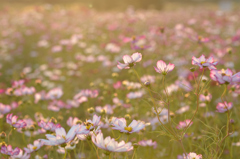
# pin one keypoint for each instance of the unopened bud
(204, 80)
(79, 122)
(3, 135)
(135, 145)
(53, 120)
(31, 128)
(90, 110)
(127, 117)
(147, 83)
(115, 75)
(192, 69)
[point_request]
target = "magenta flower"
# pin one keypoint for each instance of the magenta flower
(223, 107)
(49, 126)
(148, 143)
(203, 62)
(109, 144)
(130, 61)
(225, 77)
(163, 68)
(7, 150)
(37, 144)
(121, 125)
(12, 120)
(183, 124)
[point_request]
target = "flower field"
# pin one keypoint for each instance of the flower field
(80, 83)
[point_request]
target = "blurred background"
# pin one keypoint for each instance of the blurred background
(136, 4)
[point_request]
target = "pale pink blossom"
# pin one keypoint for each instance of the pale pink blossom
(163, 68)
(130, 61)
(203, 62)
(109, 144)
(223, 107)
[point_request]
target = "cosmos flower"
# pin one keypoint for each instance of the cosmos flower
(148, 143)
(108, 109)
(12, 120)
(183, 124)
(121, 125)
(223, 107)
(130, 61)
(193, 155)
(203, 62)
(37, 144)
(4, 109)
(72, 121)
(7, 150)
(49, 126)
(21, 155)
(54, 93)
(163, 68)
(91, 124)
(61, 136)
(225, 77)
(109, 144)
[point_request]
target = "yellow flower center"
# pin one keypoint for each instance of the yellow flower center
(34, 147)
(88, 125)
(203, 62)
(129, 129)
(64, 137)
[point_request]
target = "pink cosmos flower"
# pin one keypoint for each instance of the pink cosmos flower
(4, 109)
(225, 77)
(163, 68)
(148, 143)
(203, 62)
(72, 121)
(108, 109)
(61, 136)
(54, 93)
(204, 98)
(91, 124)
(223, 107)
(7, 150)
(183, 124)
(193, 155)
(21, 155)
(49, 126)
(121, 125)
(109, 144)
(12, 120)
(37, 144)
(130, 61)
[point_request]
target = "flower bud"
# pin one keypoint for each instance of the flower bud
(3, 135)
(53, 120)
(114, 75)
(3, 144)
(90, 110)
(135, 145)
(192, 69)
(31, 128)
(147, 83)
(88, 137)
(127, 117)
(79, 122)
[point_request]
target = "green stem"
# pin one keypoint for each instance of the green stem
(65, 155)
